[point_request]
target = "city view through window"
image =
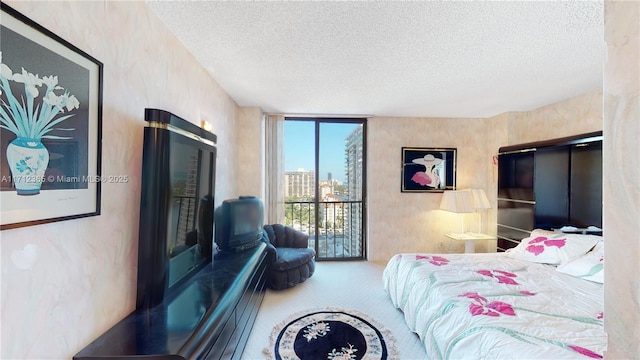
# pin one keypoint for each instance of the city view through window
(324, 187)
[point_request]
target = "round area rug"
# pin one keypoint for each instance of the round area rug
(333, 335)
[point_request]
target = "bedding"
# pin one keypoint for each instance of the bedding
(550, 247)
(589, 266)
(492, 306)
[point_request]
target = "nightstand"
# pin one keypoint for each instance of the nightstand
(469, 239)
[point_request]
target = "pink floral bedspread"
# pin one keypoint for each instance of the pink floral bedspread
(490, 306)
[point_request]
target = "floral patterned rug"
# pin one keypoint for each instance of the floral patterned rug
(331, 334)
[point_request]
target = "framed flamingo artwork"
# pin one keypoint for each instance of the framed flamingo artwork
(50, 126)
(428, 169)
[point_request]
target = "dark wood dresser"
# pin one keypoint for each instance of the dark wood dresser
(208, 317)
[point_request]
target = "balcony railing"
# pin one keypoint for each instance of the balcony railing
(339, 233)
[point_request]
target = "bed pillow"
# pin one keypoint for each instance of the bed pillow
(550, 247)
(589, 266)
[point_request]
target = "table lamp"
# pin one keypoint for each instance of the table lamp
(457, 201)
(480, 202)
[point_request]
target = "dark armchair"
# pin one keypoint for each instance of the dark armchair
(293, 261)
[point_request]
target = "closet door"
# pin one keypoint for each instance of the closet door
(568, 186)
(586, 185)
(516, 200)
(551, 187)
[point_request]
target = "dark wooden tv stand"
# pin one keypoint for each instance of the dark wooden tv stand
(210, 316)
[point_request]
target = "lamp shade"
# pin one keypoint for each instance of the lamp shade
(457, 201)
(479, 199)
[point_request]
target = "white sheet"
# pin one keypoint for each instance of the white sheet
(489, 306)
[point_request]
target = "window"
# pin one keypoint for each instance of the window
(325, 187)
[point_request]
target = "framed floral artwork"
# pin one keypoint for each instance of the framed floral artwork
(428, 169)
(50, 126)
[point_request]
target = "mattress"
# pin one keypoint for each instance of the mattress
(490, 306)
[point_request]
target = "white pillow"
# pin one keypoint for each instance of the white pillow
(589, 266)
(550, 247)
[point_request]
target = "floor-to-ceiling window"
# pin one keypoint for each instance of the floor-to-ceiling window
(325, 185)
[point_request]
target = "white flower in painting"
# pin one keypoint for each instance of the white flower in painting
(62, 101)
(51, 82)
(5, 71)
(53, 100)
(72, 102)
(30, 81)
(28, 116)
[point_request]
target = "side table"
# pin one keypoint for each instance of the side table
(469, 239)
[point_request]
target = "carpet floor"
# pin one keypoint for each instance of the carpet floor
(348, 285)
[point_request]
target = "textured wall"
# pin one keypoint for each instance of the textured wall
(578, 115)
(621, 191)
(406, 222)
(65, 283)
(250, 151)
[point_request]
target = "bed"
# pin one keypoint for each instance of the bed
(511, 305)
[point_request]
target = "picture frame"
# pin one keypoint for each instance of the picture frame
(428, 169)
(50, 126)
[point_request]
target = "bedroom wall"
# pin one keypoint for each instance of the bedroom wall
(250, 148)
(577, 115)
(411, 222)
(65, 283)
(621, 193)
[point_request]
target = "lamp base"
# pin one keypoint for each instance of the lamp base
(469, 246)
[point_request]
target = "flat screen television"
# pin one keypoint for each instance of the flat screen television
(238, 223)
(177, 204)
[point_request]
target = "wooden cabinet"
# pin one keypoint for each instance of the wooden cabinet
(548, 185)
(235, 333)
(516, 199)
(209, 317)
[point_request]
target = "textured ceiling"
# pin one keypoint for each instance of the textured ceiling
(436, 59)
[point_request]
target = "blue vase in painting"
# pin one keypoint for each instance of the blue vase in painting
(28, 160)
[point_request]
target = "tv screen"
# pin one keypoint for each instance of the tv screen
(247, 218)
(176, 207)
(239, 223)
(190, 225)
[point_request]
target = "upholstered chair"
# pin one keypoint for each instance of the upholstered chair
(294, 262)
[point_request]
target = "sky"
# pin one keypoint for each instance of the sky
(299, 147)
